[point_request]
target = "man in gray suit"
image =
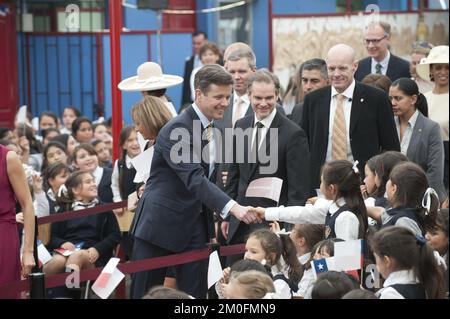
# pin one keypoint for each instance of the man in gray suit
(175, 213)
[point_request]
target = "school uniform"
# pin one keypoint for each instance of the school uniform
(306, 284)
(402, 284)
(404, 217)
(344, 223)
(100, 231)
(102, 177)
(128, 185)
(283, 286)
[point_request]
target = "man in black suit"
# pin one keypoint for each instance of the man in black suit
(380, 60)
(285, 144)
(175, 212)
(191, 63)
(347, 120)
(313, 76)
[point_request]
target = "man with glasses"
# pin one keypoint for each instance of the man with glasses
(377, 38)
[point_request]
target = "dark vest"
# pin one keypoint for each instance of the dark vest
(400, 212)
(330, 222)
(382, 202)
(104, 187)
(128, 186)
(410, 291)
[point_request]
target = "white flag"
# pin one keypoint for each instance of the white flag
(214, 269)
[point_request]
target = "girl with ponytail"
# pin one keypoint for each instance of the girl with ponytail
(407, 264)
(420, 138)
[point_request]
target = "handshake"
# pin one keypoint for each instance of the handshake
(248, 214)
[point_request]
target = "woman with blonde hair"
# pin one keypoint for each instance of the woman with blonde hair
(149, 116)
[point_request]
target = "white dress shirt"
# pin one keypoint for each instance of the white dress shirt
(384, 64)
(407, 134)
(205, 122)
(266, 122)
(403, 277)
(238, 114)
(98, 173)
(115, 179)
(347, 224)
(348, 93)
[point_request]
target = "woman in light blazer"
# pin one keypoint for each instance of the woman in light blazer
(420, 137)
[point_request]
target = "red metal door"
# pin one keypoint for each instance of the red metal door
(9, 92)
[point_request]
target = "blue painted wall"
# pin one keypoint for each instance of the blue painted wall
(260, 29)
(61, 73)
(134, 52)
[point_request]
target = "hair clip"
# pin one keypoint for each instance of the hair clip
(282, 232)
(263, 262)
(420, 240)
(355, 167)
(426, 199)
(62, 190)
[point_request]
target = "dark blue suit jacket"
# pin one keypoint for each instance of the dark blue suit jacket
(178, 197)
(397, 68)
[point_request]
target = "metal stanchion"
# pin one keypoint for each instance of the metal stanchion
(37, 285)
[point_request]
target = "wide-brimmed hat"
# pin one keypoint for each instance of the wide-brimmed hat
(437, 55)
(149, 77)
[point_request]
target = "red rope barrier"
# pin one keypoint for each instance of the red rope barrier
(81, 213)
(52, 281)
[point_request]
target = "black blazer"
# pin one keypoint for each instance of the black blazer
(372, 126)
(397, 68)
(188, 67)
(104, 187)
(179, 199)
(297, 113)
(292, 167)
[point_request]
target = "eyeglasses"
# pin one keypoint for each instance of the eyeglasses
(374, 41)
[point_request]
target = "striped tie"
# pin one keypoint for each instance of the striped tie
(339, 146)
(378, 68)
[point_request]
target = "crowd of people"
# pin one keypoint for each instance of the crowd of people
(361, 147)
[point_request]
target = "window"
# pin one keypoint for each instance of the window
(234, 25)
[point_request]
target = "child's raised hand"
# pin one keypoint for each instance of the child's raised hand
(226, 275)
(37, 183)
(312, 200)
(275, 227)
(261, 212)
(68, 245)
(364, 191)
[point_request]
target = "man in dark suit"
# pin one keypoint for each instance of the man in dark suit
(191, 63)
(175, 213)
(313, 76)
(285, 144)
(347, 120)
(380, 60)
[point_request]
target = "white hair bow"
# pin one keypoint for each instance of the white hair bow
(62, 190)
(282, 232)
(426, 200)
(355, 167)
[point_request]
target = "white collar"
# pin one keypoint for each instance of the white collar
(303, 259)
(384, 63)
(412, 120)
(51, 195)
(348, 93)
(78, 205)
(201, 116)
(400, 277)
(98, 175)
(336, 205)
(268, 120)
(128, 161)
(244, 98)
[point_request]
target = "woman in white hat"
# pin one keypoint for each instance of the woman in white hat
(150, 80)
(435, 68)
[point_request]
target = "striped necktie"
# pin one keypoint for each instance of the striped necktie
(339, 143)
